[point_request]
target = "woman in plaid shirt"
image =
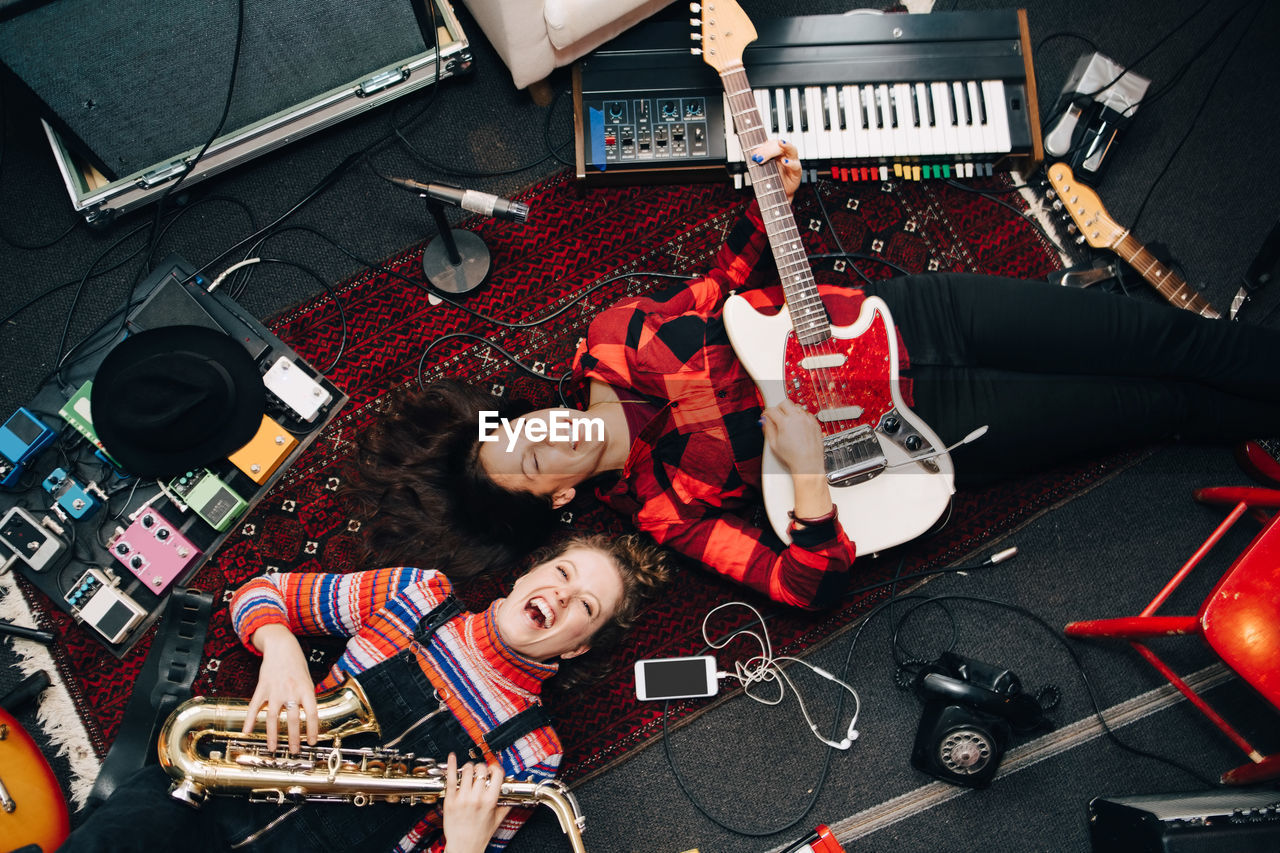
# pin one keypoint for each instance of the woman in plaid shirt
(1056, 373)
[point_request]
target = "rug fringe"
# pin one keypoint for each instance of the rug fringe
(56, 712)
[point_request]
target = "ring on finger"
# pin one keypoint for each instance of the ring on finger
(291, 704)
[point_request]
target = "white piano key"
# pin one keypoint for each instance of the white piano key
(885, 107)
(945, 132)
(855, 142)
(732, 147)
(765, 107)
(925, 130)
(975, 118)
(871, 115)
(798, 136)
(998, 112)
(960, 98)
(908, 133)
(817, 121)
(835, 123)
(986, 127)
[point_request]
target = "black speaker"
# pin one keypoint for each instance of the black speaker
(1201, 822)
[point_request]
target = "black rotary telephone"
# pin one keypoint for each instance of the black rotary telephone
(971, 711)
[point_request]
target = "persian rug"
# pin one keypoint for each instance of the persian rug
(545, 286)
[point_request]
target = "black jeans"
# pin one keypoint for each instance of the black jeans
(1059, 373)
(141, 816)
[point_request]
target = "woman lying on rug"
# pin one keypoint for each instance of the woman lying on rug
(1056, 373)
(414, 651)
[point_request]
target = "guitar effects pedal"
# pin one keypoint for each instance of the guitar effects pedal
(204, 493)
(21, 438)
(152, 550)
(38, 543)
(95, 601)
(260, 458)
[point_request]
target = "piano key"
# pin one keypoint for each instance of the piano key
(999, 116)
(817, 121)
(876, 147)
(908, 133)
(885, 119)
(925, 128)
(855, 144)
(835, 123)
(964, 140)
(782, 127)
(945, 132)
(976, 130)
(795, 134)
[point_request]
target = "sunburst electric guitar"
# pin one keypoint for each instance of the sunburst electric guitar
(32, 811)
(1102, 232)
(890, 475)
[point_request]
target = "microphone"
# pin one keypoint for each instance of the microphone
(472, 200)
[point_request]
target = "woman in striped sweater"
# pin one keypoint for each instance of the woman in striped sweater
(442, 681)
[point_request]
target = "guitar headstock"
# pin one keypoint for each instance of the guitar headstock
(724, 30)
(1085, 208)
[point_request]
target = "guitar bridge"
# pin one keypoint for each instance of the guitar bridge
(853, 456)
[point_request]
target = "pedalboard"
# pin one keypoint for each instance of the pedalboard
(95, 600)
(153, 550)
(205, 494)
(71, 516)
(260, 458)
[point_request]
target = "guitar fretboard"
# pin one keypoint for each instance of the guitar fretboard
(1171, 285)
(808, 316)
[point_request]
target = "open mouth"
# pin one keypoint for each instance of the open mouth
(540, 613)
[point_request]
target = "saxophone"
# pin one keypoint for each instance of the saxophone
(201, 747)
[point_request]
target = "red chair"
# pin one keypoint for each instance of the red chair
(1240, 620)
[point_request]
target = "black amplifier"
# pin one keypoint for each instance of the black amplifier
(1203, 822)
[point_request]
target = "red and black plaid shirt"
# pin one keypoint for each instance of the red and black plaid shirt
(692, 479)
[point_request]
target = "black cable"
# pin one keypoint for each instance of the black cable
(817, 194)
(342, 314)
(1245, 30)
(1084, 677)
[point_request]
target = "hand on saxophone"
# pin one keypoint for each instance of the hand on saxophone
(471, 810)
(284, 683)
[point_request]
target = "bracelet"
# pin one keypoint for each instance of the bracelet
(811, 522)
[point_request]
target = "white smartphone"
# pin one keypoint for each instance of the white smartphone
(676, 678)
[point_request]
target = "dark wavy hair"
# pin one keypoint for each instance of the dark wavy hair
(425, 500)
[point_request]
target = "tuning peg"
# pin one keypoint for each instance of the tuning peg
(696, 36)
(696, 51)
(1050, 193)
(1071, 228)
(1057, 204)
(695, 22)
(1080, 240)
(695, 7)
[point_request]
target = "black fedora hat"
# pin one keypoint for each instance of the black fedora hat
(172, 398)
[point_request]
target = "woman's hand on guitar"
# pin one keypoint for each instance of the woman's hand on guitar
(284, 682)
(789, 162)
(796, 439)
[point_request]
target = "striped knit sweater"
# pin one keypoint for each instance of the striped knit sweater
(481, 679)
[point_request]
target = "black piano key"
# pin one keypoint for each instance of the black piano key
(826, 109)
(865, 111)
(915, 106)
(982, 105)
(804, 111)
(928, 102)
(951, 104)
(841, 112)
(893, 108)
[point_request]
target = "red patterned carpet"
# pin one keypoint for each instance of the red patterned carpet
(571, 241)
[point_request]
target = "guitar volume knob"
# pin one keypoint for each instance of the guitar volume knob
(891, 424)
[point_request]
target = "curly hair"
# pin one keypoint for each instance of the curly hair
(418, 482)
(644, 568)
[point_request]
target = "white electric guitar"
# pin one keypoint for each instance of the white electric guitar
(891, 477)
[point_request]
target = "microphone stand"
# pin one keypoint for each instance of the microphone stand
(457, 261)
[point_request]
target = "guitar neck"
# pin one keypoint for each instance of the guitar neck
(1171, 285)
(808, 316)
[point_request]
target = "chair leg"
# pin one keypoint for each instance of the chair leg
(1134, 626)
(541, 92)
(1254, 772)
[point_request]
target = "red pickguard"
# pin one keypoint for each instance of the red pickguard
(865, 378)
